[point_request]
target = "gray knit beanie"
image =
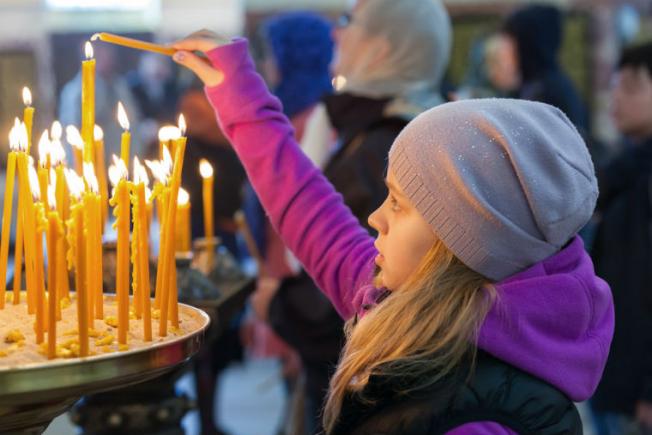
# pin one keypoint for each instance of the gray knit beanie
(503, 183)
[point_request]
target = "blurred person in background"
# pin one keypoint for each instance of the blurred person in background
(390, 58)
(110, 88)
(156, 92)
(622, 252)
(534, 35)
(297, 52)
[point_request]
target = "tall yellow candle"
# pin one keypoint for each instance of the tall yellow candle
(125, 139)
(41, 224)
(28, 116)
(6, 215)
(144, 291)
(206, 172)
(133, 43)
(28, 184)
(167, 259)
(100, 170)
(92, 220)
(43, 170)
(63, 286)
(88, 102)
(120, 202)
(80, 275)
(183, 239)
(54, 236)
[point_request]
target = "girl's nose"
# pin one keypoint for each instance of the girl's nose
(377, 222)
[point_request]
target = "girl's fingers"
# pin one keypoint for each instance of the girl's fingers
(203, 40)
(209, 75)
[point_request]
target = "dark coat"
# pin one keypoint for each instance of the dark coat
(622, 254)
(538, 31)
(496, 392)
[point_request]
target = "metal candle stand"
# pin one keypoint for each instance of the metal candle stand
(155, 406)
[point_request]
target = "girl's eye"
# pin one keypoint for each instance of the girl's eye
(394, 203)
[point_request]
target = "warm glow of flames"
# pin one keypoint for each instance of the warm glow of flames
(44, 148)
(13, 139)
(98, 133)
(183, 198)
(89, 176)
(21, 135)
(148, 194)
(205, 169)
(167, 162)
(57, 153)
(339, 82)
(52, 196)
(140, 173)
(122, 117)
(75, 183)
(27, 96)
(88, 50)
(56, 130)
(182, 125)
(117, 171)
(157, 170)
(33, 183)
(168, 133)
(74, 137)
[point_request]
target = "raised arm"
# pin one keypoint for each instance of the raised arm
(302, 205)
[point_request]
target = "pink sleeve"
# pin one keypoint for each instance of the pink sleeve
(481, 428)
(309, 215)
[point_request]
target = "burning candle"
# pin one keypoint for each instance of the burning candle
(58, 159)
(120, 202)
(183, 221)
(77, 144)
(43, 165)
(161, 192)
(54, 235)
(125, 139)
(6, 214)
(141, 260)
(206, 171)
(76, 188)
(24, 205)
(28, 116)
(37, 242)
(92, 220)
(166, 260)
(88, 102)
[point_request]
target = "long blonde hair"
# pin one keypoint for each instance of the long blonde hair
(425, 327)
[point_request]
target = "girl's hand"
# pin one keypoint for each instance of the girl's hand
(203, 42)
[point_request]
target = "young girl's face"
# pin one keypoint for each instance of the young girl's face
(404, 236)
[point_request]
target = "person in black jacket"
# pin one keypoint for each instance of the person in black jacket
(623, 249)
(536, 32)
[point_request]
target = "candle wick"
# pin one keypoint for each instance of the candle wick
(95, 37)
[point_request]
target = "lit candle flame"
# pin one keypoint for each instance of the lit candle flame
(168, 133)
(98, 133)
(88, 50)
(27, 96)
(52, 197)
(57, 153)
(74, 137)
(182, 125)
(157, 170)
(22, 137)
(140, 173)
(89, 176)
(56, 130)
(117, 171)
(122, 117)
(205, 169)
(13, 139)
(74, 182)
(33, 183)
(43, 148)
(183, 198)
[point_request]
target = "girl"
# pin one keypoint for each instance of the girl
(485, 316)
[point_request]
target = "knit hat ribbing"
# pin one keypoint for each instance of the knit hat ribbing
(503, 183)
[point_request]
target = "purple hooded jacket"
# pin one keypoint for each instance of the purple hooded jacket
(554, 320)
